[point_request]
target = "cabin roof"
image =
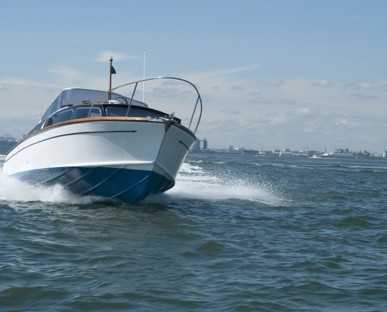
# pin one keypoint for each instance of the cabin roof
(73, 96)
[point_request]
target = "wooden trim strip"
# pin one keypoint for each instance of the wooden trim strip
(92, 119)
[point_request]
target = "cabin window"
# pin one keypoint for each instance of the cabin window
(134, 111)
(53, 107)
(85, 112)
(116, 111)
(62, 116)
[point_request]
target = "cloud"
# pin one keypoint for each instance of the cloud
(242, 107)
(254, 93)
(15, 81)
(364, 96)
(365, 86)
(236, 88)
(105, 56)
(236, 70)
(224, 72)
(323, 84)
(303, 111)
(231, 112)
(344, 122)
(278, 120)
(272, 82)
(66, 72)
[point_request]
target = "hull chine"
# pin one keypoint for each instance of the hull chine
(123, 184)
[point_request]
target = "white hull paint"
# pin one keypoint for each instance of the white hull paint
(135, 146)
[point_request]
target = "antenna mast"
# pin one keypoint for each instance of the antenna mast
(143, 77)
(110, 79)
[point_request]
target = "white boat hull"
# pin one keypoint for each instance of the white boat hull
(125, 160)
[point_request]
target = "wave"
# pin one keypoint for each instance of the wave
(193, 182)
(12, 189)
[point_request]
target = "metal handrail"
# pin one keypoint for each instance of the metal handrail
(199, 102)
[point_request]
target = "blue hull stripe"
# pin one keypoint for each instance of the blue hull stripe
(53, 178)
(126, 185)
(131, 187)
(80, 177)
(101, 183)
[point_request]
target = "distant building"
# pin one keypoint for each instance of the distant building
(200, 146)
(205, 144)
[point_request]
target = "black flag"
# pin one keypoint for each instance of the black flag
(112, 70)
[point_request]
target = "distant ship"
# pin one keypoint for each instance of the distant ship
(6, 143)
(339, 153)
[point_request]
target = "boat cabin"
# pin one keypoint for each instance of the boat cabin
(76, 103)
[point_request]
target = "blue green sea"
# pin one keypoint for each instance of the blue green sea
(236, 233)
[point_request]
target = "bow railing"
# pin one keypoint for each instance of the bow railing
(198, 107)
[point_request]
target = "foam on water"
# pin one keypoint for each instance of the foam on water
(194, 183)
(12, 189)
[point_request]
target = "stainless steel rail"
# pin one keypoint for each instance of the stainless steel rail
(198, 108)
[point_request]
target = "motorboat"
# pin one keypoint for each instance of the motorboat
(107, 144)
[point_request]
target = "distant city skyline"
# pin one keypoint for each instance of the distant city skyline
(204, 144)
(271, 73)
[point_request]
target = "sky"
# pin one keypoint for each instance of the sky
(298, 74)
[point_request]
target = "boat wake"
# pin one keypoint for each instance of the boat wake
(195, 183)
(12, 189)
(192, 183)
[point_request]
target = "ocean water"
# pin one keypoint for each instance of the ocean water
(236, 233)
